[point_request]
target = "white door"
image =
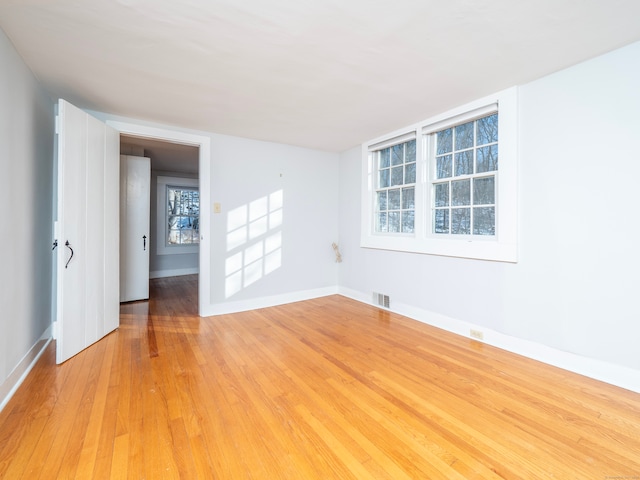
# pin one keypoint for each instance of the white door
(135, 212)
(88, 231)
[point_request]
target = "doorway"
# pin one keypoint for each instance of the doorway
(173, 232)
(194, 152)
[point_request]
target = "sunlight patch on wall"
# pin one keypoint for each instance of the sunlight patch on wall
(254, 242)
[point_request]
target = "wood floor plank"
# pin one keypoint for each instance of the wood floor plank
(321, 389)
(311, 383)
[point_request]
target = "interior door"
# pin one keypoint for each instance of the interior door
(135, 216)
(87, 231)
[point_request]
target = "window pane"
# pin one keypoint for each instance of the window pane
(188, 236)
(461, 221)
(442, 195)
(397, 154)
(174, 236)
(195, 206)
(464, 163)
(384, 178)
(185, 203)
(394, 221)
(444, 141)
(178, 201)
(394, 199)
(484, 221)
(172, 205)
(381, 224)
(443, 167)
(385, 157)
(487, 129)
(185, 222)
(461, 192)
(396, 175)
(408, 198)
(410, 173)
(441, 221)
(411, 152)
(484, 191)
(408, 221)
(487, 159)
(382, 200)
(464, 136)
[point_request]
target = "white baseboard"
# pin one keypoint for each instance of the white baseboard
(618, 375)
(173, 273)
(271, 301)
(20, 372)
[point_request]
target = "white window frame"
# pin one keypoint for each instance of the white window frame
(502, 246)
(375, 149)
(162, 224)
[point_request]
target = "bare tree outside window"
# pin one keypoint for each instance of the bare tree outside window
(183, 216)
(466, 165)
(395, 192)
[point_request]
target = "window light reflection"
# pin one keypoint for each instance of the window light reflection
(254, 242)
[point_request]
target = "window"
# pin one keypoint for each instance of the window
(465, 164)
(178, 215)
(447, 185)
(395, 193)
(182, 216)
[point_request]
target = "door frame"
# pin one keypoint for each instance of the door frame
(203, 143)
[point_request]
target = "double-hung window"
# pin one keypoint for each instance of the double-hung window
(447, 185)
(183, 215)
(395, 192)
(464, 165)
(178, 215)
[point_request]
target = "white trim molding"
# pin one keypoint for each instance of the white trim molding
(270, 301)
(173, 273)
(18, 375)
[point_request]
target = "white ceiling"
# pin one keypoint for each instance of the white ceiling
(324, 74)
(165, 156)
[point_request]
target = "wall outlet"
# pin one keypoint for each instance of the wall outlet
(477, 334)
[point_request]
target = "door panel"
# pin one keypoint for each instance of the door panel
(94, 202)
(135, 212)
(112, 231)
(87, 198)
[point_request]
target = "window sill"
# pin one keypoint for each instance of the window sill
(478, 249)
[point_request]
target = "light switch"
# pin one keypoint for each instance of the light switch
(217, 208)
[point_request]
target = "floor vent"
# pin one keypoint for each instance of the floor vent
(381, 300)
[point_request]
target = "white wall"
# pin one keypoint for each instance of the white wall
(26, 156)
(572, 297)
(247, 171)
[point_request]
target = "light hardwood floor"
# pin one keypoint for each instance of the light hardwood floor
(323, 389)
